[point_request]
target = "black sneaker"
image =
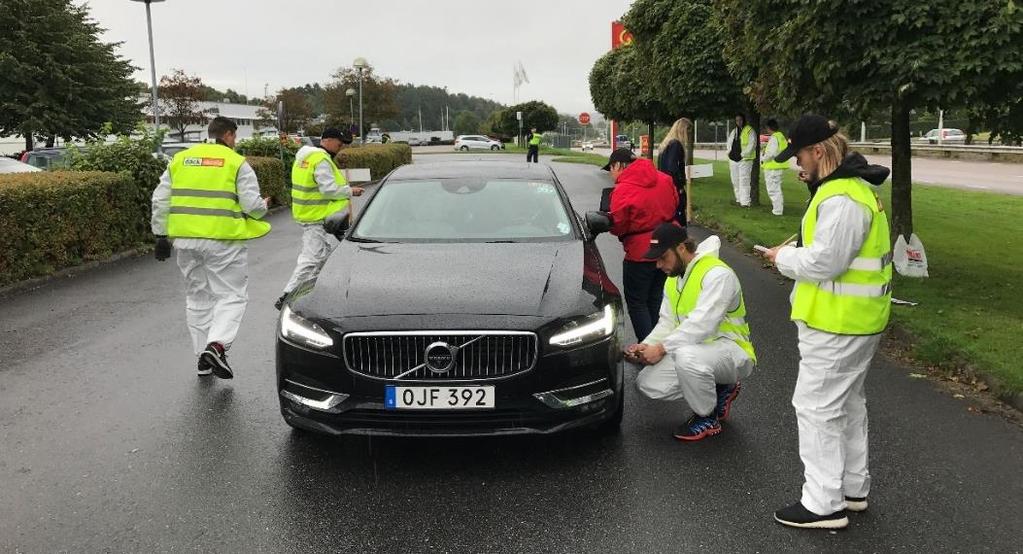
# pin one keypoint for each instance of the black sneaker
(204, 369)
(726, 395)
(217, 360)
(854, 504)
(697, 428)
(798, 516)
(279, 303)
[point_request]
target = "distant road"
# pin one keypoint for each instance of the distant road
(1003, 178)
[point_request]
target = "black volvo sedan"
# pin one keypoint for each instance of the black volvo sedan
(468, 298)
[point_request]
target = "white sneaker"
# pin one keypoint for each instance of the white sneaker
(856, 504)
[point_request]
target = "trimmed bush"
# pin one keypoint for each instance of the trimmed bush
(381, 159)
(53, 220)
(269, 147)
(273, 180)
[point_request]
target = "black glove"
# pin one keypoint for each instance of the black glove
(163, 248)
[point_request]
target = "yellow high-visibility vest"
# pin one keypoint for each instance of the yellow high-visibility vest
(204, 196)
(857, 302)
(733, 326)
(308, 205)
(534, 139)
(744, 139)
(782, 145)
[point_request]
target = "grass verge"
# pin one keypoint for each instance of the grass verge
(970, 313)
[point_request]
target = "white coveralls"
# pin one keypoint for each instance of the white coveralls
(692, 367)
(772, 177)
(216, 271)
(829, 400)
(317, 244)
(742, 172)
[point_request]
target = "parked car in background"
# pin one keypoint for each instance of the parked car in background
(416, 141)
(587, 146)
(8, 165)
(947, 135)
(476, 142)
(623, 141)
(45, 158)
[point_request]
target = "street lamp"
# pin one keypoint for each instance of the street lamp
(152, 61)
(350, 93)
(360, 64)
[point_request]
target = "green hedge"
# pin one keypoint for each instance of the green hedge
(381, 159)
(268, 147)
(273, 181)
(53, 220)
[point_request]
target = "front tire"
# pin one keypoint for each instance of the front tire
(464, 149)
(494, 148)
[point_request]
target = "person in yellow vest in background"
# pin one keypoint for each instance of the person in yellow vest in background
(318, 189)
(773, 171)
(741, 155)
(208, 204)
(700, 349)
(841, 302)
(533, 155)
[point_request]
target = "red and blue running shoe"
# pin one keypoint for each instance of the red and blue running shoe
(726, 395)
(698, 427)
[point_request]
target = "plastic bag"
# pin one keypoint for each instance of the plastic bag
(909, 258)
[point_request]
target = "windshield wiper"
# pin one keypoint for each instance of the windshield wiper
(359, 239)
(501, 241)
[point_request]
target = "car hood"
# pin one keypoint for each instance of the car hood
(521, 279)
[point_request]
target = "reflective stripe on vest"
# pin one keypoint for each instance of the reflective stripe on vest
(204, 196)
(733, 326)
(744, 139)
(857, 302)
(534, 139)
(782, 145)
(308, 205)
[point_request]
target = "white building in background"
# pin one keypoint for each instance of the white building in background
(245, 116)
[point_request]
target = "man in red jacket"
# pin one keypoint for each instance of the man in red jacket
(642, 199)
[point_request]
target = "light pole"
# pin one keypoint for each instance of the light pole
(360, 64)
(350, 93)
(152, 61)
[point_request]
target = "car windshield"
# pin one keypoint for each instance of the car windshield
(465, 210)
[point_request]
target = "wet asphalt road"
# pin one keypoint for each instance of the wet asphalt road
(108, 442)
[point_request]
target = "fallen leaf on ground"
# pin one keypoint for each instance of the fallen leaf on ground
(917, 375)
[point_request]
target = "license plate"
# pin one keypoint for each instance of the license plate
(439, 398)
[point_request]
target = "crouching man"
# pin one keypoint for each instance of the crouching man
(700, 349)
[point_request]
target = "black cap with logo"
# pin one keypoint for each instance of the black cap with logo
(807, 131)
(666, 236)
(335, 133)
(621, 155)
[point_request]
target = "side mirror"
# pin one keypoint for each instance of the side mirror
(598, 222)
(338, 223)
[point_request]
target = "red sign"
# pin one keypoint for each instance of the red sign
(584, 118)
(619, 36)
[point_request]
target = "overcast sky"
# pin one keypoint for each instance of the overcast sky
(464, 45)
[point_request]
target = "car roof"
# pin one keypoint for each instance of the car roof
(472, 168)
(8, 165)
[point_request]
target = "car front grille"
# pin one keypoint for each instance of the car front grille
(477, 355)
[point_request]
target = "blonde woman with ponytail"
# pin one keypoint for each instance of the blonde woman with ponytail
(672, 160)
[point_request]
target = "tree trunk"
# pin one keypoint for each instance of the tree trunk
(50, 140)
(971, 129)
(902, 171)
(650, 133)
(28, 141)
(754, 182)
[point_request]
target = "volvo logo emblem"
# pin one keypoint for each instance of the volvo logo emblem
(440, 357)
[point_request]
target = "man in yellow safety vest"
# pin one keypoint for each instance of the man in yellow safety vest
(533, 155)
(208, 204)
(318, 190)
(842, 266)
(700, 349)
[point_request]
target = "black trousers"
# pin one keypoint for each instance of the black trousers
(644, 290)
(533, 155)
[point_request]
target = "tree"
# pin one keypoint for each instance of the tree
(378, 97)
(297, 112)
(180, 98)
(620, 89)
(466, 123)
(860, 58)
(59, 80)
(535, 113)
(687, 70)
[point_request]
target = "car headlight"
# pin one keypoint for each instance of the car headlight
(302, 331)
(595, 327)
